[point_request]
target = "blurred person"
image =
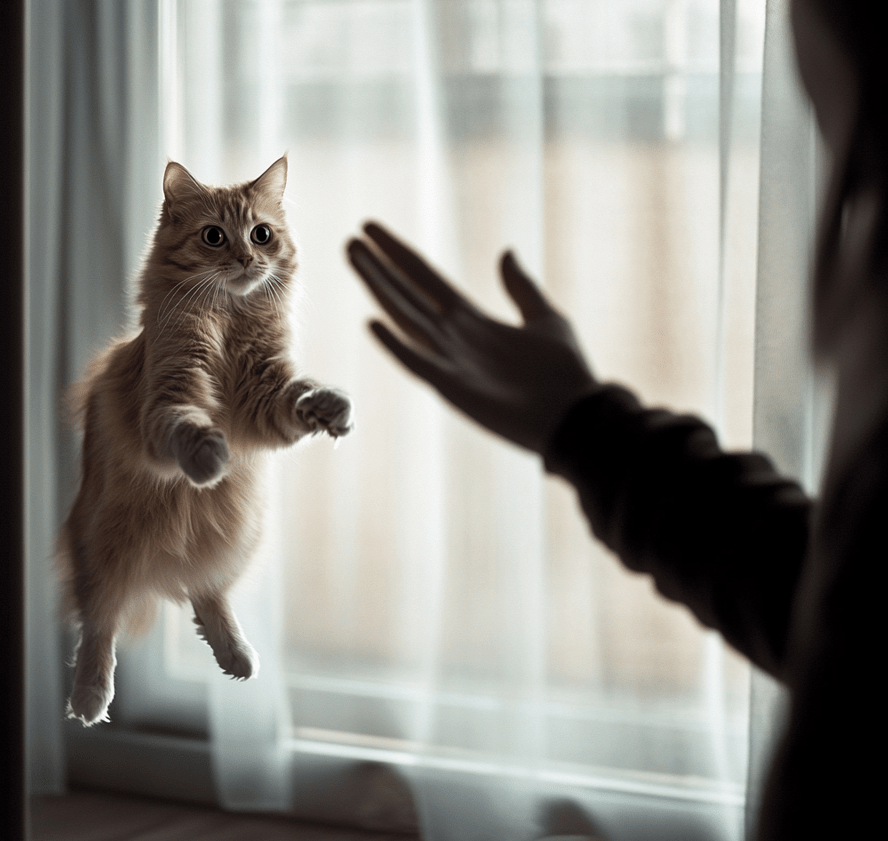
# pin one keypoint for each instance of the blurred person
(788, 582)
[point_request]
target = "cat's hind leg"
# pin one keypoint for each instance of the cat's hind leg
(93, 675)
(101, 592)
(217, 625)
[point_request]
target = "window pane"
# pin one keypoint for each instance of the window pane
(588, 138)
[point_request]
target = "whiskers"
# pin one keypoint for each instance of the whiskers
(275, 290)
(206, 290)
(209, 292)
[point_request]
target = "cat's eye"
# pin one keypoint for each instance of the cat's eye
(261, 234)
(213, 235)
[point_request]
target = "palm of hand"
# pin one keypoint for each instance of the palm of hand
(516, 381)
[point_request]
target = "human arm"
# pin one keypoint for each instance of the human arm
(723, 533)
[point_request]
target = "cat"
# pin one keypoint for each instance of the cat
(176, 420)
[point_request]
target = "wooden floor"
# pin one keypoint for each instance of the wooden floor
(100, 816)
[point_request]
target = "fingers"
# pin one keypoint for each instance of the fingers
(440, 292)
(523, 291)
(421, 364)
(409, 311)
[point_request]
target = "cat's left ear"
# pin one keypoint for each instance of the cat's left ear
(273, 181)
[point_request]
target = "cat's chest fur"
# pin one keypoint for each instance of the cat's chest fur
(237, 351)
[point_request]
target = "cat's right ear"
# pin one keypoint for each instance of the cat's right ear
(179, 184)
(273, 181)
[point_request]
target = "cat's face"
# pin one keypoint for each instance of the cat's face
(233, 240)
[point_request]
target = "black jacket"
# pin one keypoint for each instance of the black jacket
(793, 588)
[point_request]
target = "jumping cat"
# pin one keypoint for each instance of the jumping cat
(176, 420)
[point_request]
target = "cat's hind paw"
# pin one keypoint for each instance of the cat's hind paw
(236, 657)
(238, 661)
(325, 410)
(89, 704)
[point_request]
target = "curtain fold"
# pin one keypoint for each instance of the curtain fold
(44, 160)
(248, 720)
(789, 403)
(448, 805)
(425, 596)
(93, 154)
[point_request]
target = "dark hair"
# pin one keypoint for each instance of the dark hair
(859, 28)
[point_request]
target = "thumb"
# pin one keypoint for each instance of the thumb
(523, 291)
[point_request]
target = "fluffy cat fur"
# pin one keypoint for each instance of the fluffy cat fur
(175, 423)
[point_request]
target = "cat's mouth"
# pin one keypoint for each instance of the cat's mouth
(244, 282)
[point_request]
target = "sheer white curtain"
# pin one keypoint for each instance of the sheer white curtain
(426, 599)
(92, 157)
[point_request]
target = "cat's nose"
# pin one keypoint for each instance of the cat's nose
(245, 259)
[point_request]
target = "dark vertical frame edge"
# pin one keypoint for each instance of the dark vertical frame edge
(12, 248)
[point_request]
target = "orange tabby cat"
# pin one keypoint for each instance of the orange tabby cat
(176, 420)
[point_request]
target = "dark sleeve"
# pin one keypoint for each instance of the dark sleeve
(722, 533)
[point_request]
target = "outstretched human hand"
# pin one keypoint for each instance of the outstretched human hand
(517, 381)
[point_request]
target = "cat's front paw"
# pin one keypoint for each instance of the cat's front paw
(325, 410)
(201, 452)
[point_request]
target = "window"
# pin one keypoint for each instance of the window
(427, 598)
